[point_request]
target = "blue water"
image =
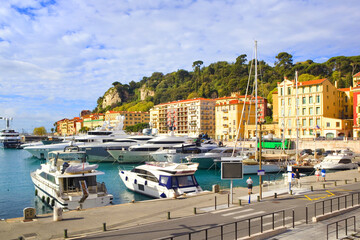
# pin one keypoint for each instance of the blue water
(17, 190)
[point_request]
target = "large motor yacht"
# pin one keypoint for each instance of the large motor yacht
(9, 138)
(162, 179)
(141, 153)
(103, 134)
(178, 153)
(98, 152)
(68, 181)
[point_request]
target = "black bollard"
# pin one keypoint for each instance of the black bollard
(65, 233)
(104, 227)
(275, 195)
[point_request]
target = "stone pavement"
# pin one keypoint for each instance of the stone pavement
(138, 213)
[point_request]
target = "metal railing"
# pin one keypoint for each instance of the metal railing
(241, 228)
(336, 204)
(257, 224)
(339, 226)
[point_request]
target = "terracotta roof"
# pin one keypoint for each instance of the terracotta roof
(357, 75)
(344, 89)
(312, 82)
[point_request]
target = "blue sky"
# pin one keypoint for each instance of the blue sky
(58, 57)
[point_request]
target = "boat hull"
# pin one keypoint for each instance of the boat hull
(153, 189)
(123, 156)
(10, 144)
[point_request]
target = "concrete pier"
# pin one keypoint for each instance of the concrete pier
(89, 221)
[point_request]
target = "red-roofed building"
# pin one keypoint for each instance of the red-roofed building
(187, 117)
(323, 110)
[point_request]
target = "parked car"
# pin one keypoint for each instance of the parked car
(328, 152)
(306, 151)
(319, 151)
(320, 138)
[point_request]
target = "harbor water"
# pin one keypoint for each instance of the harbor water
(17, 191)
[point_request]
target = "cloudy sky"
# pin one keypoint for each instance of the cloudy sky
(58, 56)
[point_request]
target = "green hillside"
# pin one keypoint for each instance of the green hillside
(221, 78)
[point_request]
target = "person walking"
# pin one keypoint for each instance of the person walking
(317, 174)
(323, 173)
(249, 182)
(297, 177)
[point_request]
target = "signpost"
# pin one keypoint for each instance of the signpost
(231, 168)
(289, 169)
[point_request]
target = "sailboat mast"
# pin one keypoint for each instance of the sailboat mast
(256, 102)
(297, 117)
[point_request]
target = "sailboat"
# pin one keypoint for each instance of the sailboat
(250, 165)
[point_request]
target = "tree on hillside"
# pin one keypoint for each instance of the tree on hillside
(39, 131)
(284, 63)
(306, 77)
(196, 65)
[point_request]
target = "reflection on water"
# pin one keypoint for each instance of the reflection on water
(17, 191)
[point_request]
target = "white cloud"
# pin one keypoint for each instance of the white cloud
(56, 54)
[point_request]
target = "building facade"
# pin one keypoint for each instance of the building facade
(186, 117)
(319, 104)
(93, 121)
(131, 118)
(234, 113)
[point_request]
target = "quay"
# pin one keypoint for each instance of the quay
(157, 219)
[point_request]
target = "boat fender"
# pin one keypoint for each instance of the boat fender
(43, 199)
(52, 202)
(126, 178)
(47, 200)
(163, 195)
(145, 183)
(135, 181)
(36, 192)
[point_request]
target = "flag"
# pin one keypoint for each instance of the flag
(316, 127)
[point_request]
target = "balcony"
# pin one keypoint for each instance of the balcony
(225, 118)
(225, 110)
(225, 132)
(225, 125)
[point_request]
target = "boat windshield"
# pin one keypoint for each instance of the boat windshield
(178, 181)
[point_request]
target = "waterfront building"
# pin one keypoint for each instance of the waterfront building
(323, 109)
(68, 127)
(93, 121)
(186, 117)
(356, 105)
(229, 117)
(131, 117)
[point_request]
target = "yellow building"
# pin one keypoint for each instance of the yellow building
(131, 118)
(318, 101)
(68, 127)
(188, 117)
(93, 121)
(228, 115)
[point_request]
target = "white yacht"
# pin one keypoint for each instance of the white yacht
(162, 179)
(100, 135)
(9, 138)
(66, 180)
(337, 161)
(98, 152)
(207, 160)
(178, 153)
(141, 153)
